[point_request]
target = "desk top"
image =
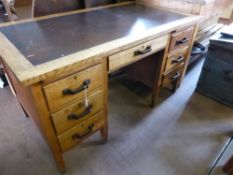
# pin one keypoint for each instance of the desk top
(45, 40)
(38, 49)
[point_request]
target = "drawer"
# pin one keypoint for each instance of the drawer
(59, 93)
(181, 39)
(136, 53)
(173, 78)
(77, 112)
(81, 131)
(176, 59)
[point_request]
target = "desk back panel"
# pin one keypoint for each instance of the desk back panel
(45, 40)
(95, 3)
(209, 9)
(177, 5)
(47, 7)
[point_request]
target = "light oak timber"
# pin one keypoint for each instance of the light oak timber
(83, 130)
(169, 81)
(190, 50)
(34, 104)
(53, 92)
(39, 88)
(28, 74)
(175, 58)
(180, 36)
(63, 123)
(209, 9)
(126, 57)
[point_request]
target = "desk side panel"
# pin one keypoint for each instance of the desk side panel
(32, 101)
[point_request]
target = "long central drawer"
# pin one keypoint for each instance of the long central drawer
(136, 53)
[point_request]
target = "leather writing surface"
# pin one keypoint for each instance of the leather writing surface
(46, 40)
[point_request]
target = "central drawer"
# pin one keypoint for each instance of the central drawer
(77, 112)
(136, 53)
(59, 93)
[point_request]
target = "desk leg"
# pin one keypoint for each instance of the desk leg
(104, 134)
(43, 120)
(104, 130)
(159, 76)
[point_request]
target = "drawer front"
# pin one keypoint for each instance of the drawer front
(134, 54)
(77, 112)
(61, 92)
(181, 39)
(173, 78)
(176, 59)
(81, 131)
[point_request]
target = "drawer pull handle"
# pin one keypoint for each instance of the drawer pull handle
(80, 89)
(142, 52)
(176, 76)
(178, 60)
(184, 40)
(84, 113)
(80, 136)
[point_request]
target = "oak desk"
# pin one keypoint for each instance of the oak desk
(55, 62)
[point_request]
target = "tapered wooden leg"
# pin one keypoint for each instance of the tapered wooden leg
(43, 120)
(27, 116)
(104, 134)
(154, 97)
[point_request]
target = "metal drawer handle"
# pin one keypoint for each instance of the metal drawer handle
(178, 60)
(184, 40)
(75, 91)
(176, 76)
(83, 114)
(142, 52)
(80, 136)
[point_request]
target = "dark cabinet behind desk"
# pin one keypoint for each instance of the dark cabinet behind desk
(216, 80)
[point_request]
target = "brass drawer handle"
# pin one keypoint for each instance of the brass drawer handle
(176, 76)
(142, 52)
(84, 113)
(75, 91)
(183, 41)
(80, 136)
(178, 60)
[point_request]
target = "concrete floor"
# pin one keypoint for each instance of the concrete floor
(182, 135)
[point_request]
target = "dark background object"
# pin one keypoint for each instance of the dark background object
(216, 80)
(199, 51)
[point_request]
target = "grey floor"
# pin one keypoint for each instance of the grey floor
(182, 135)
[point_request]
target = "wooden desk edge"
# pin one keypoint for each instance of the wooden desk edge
(28, 74)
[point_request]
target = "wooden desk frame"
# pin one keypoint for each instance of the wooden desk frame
(28, 80)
